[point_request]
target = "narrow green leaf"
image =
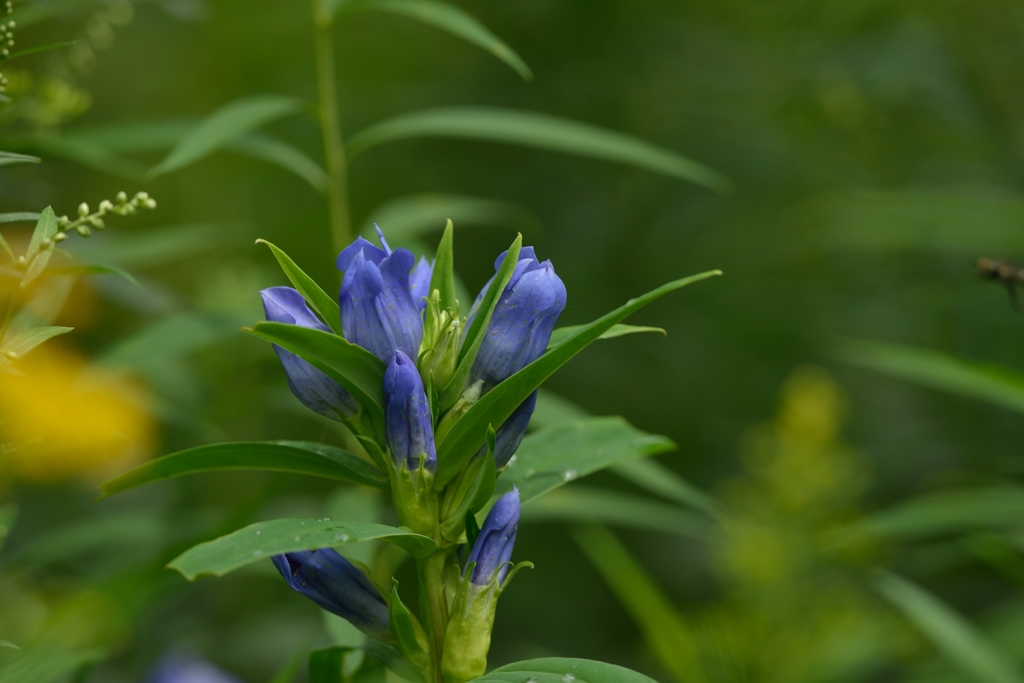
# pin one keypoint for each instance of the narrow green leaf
(47, 664)
(225, 126)
(663, 627)
(654, 477)
(554, 456)
(540, 131)
(470, 432)
(322, 303)
(88, 154)
(266, 539)
(407, 631)
(294, 457)
(38, 48)
(349, 365)
(65, 543)
(447, 18)
(8, 158)
(942, 513)
(281, 154)
(955, 637)
(443, 276)
(46, 228)
(28, 340)
(1000, 386)
(19, 217)
(562, 670)
(583, 504)
(9, 645)
(96, 269)
(563, 333)
(156, 247)
(474, 336)
(325, 665)
(415, 216)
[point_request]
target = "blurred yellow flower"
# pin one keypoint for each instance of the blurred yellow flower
(62, 418)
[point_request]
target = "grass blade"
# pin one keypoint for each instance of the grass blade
(540, 131)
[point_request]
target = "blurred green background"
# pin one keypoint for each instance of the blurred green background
(875, 150)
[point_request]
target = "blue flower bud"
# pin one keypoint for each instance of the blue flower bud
(314, 389)
(338, 586)
(493, 547)
(510, 434)
(188, 670)
(407, 419)
(419, 282)
(378, 311)
(522, 322)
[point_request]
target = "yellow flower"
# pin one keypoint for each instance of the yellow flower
(62, 418)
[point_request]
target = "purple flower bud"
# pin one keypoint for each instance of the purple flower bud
(522, 322)
(511, 433)
(188, 670)
(419, 282)
(338, 586)
(493, 547)
(407, 419)
(378, 311)
(317, 391)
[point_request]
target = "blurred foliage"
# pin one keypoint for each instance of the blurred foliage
(875, 153)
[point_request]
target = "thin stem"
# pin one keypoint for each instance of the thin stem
(330, 127)
(434, 606)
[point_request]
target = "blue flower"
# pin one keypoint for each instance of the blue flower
(522, 322)
(314, 389)
(510, 434)
(493, 547)
(419, 282)
(188, 670)
(338, 586)
(378, 311)
(409, 426)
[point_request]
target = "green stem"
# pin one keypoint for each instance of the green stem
(330, 127)
(434, 607)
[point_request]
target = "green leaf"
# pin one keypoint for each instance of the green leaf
(68, 541)
(663, 627)
(281, 154)
(554, 456)
(562, 670)
(474, 336)
(46, 228)
(266, 539)
(407, 631)
(349, 365)
(170, 337)
(582, 504)
(443, 276)
(294, 457)
(8, 515)
(8, 158)
(997, 385)
(38, 48)
(86, 153)
(470, 432)
(96, 269)
(225, 126)
(286, 674)
(325, 665)
(9, 645)
(955, 637)
(447, 18)
(19, 217)
(160, 246)
(392, 659)
(563, 333)
(47, 664)
(326, 306)
(942, 513)
(28, 340)
(414, 216)
(654, 477)
(540, 131)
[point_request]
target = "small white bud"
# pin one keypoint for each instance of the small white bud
(98, 223)
(60, 237)
(62, 222)
(150, 204)
(141, 196)
(84, 230)
(121, 197)
(83, 209)
(9, 355)
(105, 205)
(47, 242)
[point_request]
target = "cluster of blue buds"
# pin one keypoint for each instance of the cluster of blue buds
(435, 369)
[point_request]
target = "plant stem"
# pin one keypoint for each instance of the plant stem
(434, 606)
(330, 127)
